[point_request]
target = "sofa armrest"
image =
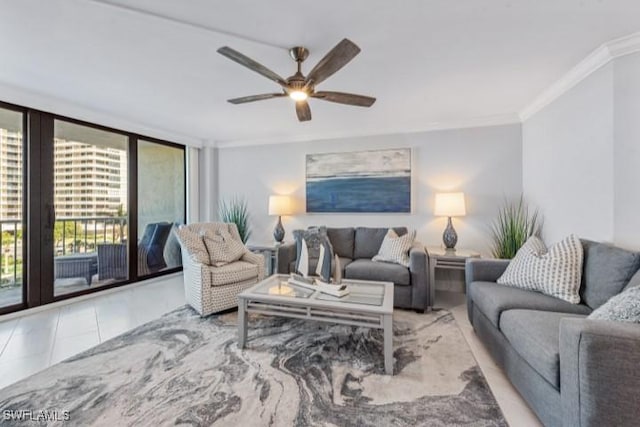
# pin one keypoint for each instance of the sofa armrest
(599, 372)
(285, 254)
(484, 270)
(419, 270)
(256, 259)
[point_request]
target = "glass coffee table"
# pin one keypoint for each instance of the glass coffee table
(368, 304)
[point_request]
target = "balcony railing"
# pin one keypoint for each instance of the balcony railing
(70, 236)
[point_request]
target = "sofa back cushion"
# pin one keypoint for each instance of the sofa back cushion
(342, 240)
(607, 270)
(634, 282)
(368, 240)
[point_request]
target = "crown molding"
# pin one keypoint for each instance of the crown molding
(593, 62)
(477, 122)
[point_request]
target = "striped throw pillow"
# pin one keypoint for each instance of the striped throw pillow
(395, 248)
(556, 271)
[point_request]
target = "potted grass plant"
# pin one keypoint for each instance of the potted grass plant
(513, 226)
(235, 210)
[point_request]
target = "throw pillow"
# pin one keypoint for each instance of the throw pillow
(313, 237)
(395, 249)
(624, 307)
(193, 243)
(222, 247)
(607, 270)
(556, 271)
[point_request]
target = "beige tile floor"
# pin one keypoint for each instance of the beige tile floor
(31, 343)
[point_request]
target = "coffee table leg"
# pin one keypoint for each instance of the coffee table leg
(242, 322)
(388, 343)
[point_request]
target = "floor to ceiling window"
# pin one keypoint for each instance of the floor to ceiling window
(83, 207)
(12, 277)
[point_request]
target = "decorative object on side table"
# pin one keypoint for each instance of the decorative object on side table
(513, 227)
(279, 205)
(450, 205)
(440, 258)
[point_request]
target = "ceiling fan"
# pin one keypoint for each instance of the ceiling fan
(300, 88)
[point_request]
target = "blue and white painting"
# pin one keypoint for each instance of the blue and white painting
(362, 181)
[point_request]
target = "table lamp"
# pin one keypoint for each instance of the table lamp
(450, 205)
(279, 205)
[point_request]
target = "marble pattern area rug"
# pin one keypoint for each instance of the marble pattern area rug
(185, 370)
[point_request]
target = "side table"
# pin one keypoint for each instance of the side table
(270, 253)
(445, 259)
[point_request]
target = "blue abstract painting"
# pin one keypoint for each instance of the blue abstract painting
(362, 181)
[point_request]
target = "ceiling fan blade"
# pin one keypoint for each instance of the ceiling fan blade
(253, 98)
(303, 111)
(345, 98)
(337, 58)
(241, 59)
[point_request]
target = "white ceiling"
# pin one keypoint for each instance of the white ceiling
(154, 62)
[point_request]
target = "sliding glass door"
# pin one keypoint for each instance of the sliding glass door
(12, 262)
(90, 202)
(83, 207)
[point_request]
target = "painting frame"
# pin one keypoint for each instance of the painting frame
(365, 181)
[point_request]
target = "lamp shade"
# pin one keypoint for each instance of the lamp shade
(280, 205)
(450, 204)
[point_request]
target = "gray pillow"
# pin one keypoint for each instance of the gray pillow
(607, 270)
(635, 281)
(624, 307)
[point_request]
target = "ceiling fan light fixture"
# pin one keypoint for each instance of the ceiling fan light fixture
(298, 95)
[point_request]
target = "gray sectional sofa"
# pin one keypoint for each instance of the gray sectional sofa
(356, 247)
(572, 371)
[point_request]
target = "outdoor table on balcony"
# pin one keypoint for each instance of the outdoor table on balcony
(76, 265)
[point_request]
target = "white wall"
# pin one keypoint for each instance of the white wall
(627, 151)
(568, 160)
(485, 163)
(581, 157)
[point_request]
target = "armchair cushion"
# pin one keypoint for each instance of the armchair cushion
(222, 247)
(194, 244)
(233, 272)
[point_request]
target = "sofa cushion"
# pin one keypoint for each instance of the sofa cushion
(342, 240)
(535, 335)
(492, 299)
(607, 270)
(365, 269)
(368, 240)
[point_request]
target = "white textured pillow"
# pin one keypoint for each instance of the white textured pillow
(624, 307)
(194, 244)
(556, 271)
(222, 247)
(395, 249)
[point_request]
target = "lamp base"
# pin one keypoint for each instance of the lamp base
(450, 237)
(278, 231)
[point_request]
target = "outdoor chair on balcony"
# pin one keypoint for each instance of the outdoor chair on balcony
(215, 272)
(112, 257)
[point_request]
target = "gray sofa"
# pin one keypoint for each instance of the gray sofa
(571, 370)
(356, 247)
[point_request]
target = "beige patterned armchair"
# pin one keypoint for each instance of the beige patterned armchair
(210, 289)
